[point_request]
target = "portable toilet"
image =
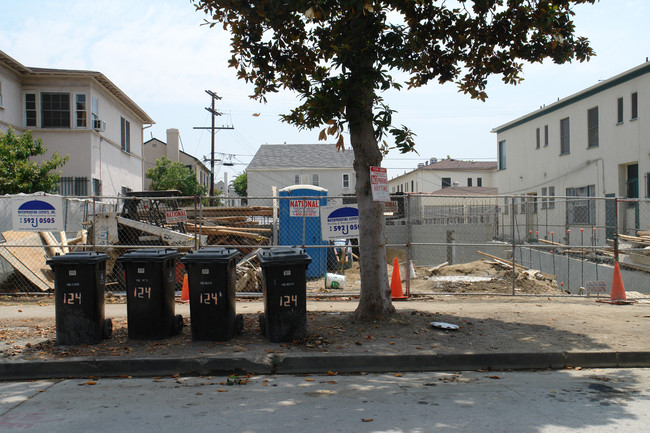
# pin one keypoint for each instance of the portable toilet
(297, 229)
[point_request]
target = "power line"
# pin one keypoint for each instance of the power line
(213, 128)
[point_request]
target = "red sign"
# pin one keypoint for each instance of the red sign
(379, 184)
(175, 216)
(311, 208)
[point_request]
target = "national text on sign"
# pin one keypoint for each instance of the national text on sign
(311, 207)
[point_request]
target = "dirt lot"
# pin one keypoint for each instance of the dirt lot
(475, 277)
(487, 323)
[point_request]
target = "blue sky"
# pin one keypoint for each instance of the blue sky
(160, 55)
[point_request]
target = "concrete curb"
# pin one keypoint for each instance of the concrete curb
(316, 364)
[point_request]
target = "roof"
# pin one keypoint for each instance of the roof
(285, 156)
(157, 140)
(29, 72)
(466, 190)
(454, 164)
(586, 93)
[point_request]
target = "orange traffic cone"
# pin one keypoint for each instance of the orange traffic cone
(185, 292)
(618, 290)
(396, 292)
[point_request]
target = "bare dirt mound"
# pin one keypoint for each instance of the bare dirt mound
(480, 276)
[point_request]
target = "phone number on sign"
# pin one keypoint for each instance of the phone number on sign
(345, 229)
(35, 222)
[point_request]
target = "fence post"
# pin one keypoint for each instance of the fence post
(616, 229)
(408, 244)
(196, 235)
(512, 229)
(274, 191)
(94, 226)
(304, 216)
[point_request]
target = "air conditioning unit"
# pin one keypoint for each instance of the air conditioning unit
(99, 125)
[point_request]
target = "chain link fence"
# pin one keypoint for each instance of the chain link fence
(444, 244)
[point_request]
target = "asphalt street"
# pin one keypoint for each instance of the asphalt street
(572, 400)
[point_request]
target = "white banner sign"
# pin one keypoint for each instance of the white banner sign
(175, 216)
(339, 222)
(37, 213)
(311, 208)
(379, 184)
(596, 286)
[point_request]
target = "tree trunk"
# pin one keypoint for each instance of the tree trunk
(375, 301)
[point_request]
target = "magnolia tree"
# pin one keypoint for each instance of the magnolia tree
(338, 55)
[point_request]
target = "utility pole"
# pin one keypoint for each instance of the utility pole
(213, 130)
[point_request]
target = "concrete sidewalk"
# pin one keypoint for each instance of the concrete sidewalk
(495, 333)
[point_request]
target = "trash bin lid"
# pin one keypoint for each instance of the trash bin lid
(149, 255)
(283, 255)
(78, 257)
(210, 254)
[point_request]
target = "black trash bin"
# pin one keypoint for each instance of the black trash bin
(212, 278)
(284, 271)
(79, 286)
(150, 290)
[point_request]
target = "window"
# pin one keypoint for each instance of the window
(551, 197)
(538, 138)
(647, 185)
(73, 186)
(97, 187)
(446, 181)
(80, 111)
(592, 127)
(544, 198)
(581, 211)
(529, 204)
(506, 206)
(620, 110)
(545, 135)
(296, 179)
(314, 179)
(0, 93)
(632, 182)
(124, 190)
(479, 181)
(502, 155)
(55, 110)
(412, 186)
(565, 137)
(635, 105)
(94, 108)
(30, 109)
(346, 180)
(469, 181)
(125, 126)
(514, 205)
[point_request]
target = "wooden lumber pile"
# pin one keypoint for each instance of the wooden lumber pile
(222, 211)
(233, 235)
(637, 241)
(249, 273)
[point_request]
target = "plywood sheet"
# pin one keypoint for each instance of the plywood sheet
(28, 260)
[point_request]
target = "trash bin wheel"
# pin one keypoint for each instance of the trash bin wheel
(260, 318)
(108, 328)
(239, 324)
(178, 322)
